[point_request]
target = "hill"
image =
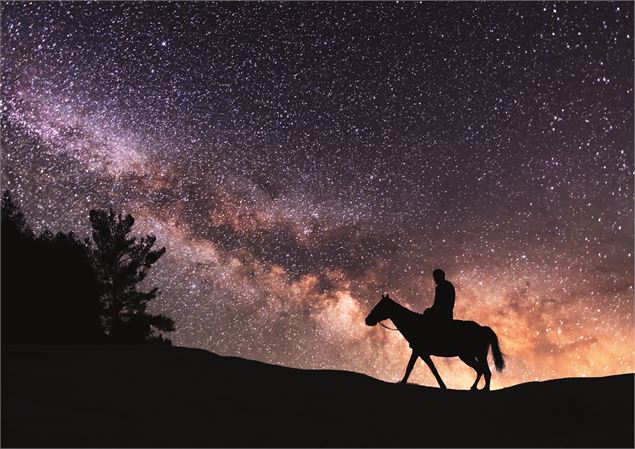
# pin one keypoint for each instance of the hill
(180, 397)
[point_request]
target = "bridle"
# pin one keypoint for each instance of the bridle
(385, 296)
(389, 328)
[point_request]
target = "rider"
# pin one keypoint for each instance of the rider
(441, 310)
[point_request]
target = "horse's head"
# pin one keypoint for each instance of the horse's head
(379, 312)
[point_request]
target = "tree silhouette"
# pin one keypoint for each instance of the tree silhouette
(50, 293)
(58, 289)
(13, 221)
(122, 263)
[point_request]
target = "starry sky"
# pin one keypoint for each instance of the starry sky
(297, 160)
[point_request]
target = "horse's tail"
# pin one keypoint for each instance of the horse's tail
(499, 361)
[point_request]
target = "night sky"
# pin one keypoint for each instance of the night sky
(300, 159)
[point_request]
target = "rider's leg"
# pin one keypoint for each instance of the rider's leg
(411, 364)
(428, 360)
(471, 361)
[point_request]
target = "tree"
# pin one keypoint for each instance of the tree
(50, 293)
(122, 263)
(13, 221)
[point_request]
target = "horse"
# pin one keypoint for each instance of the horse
(467, 340)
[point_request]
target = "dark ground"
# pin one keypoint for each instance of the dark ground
(179, 397)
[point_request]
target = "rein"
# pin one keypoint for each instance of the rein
(389, 328)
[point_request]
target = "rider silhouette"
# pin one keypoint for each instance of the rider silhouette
(441, 310)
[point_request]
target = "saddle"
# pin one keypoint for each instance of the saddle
(435, 327)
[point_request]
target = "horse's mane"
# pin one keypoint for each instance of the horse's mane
(403, 308)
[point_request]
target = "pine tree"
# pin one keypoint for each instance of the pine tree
(122, 263)
(12, 217)
(49, 288)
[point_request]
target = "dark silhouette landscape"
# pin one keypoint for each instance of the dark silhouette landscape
(162, 396)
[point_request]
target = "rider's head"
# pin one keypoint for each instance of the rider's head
(438, 275)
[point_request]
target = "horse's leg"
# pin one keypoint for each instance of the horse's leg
(411, 364)
(426, 358)
(474, 364)
(486, 372)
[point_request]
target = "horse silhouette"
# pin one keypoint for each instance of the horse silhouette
(467, 340)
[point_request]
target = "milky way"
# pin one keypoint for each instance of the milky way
(299, 159)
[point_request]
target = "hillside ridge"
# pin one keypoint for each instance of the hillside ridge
(189, 397)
